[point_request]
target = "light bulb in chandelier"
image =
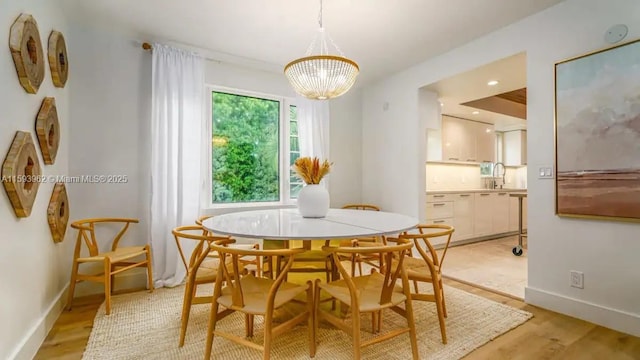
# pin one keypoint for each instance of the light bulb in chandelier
(322, 76)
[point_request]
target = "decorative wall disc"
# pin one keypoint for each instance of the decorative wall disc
(27, 53)
(48, 130)
(21, 173)
(58, 62)
(58, 212)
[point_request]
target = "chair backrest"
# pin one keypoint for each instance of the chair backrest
(86, 232)
(361, 207)
(202, 247)
(388, 253)
(229, 270)
(202, 218)
(423, 240)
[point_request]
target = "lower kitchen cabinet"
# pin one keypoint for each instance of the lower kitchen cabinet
(483, 214)
(463, 214)
(475, 214)
(500, 219)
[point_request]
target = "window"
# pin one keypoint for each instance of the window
(254, 142)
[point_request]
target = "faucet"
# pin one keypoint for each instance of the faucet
(493, 174)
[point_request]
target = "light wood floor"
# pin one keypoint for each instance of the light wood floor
(547, 335)
(489, 264)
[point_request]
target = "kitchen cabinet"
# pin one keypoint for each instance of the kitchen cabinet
(440, 211)
(483, 214)
(458, 140)
(474, 214)
(491, 213)
(515, 148)
(466, 140)
(463, 214)
(501, 212)
(485, 143)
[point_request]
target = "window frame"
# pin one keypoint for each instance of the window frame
(284, 150)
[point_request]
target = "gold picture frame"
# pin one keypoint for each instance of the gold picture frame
(597, 134)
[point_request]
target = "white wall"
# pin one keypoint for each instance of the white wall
(346, 149)
(605, 251)
(34, 271)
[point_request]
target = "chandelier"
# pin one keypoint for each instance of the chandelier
(322, 76)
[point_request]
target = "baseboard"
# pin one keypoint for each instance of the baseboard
(32, 341)
(611, 318)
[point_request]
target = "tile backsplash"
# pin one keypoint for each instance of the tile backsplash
(442, 176)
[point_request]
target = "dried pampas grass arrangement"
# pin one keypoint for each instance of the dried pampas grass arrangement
(310, 170)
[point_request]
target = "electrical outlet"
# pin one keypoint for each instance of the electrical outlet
(577, 279)
(463, 179)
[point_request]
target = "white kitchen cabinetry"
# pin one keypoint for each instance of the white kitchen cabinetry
(483, 214)
(463, 214)
(466, 140)
(500, 219)
(440, 211)
(515, 148)
(458, 140)
(474, 214)
(485, 143)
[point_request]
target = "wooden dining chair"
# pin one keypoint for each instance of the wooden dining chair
(428, 268)
(201, 268)
(253, 296)
(251, 264)
(371, 293)
(358, 259)
(115, 261)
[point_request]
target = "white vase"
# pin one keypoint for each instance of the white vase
(313, 201)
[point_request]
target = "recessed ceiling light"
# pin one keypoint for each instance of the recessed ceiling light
(492, 83)
(476, 112)
(441, 104)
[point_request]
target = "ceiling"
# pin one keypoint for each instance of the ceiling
(511, 74)
(382, 36)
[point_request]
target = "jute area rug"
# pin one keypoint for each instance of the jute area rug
(147, 325)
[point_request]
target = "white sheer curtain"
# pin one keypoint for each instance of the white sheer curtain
(176, 128)
(313, 128)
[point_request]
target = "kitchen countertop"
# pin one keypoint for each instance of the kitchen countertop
(474, 191)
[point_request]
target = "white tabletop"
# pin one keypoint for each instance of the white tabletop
(287, 224)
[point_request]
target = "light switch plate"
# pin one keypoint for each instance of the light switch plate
(545, 172)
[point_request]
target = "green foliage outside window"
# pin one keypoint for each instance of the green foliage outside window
(245, 149)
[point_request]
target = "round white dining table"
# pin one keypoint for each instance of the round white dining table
(288, 224)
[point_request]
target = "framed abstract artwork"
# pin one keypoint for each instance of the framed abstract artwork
(597, 128)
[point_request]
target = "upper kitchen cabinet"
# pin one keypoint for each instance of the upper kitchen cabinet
(458, 140)
(485, 142)
(466, 140)
(515, 148)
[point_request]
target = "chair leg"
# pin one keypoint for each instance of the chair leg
(112, 278)
(186, 308)
(250, 321)
(107, 285)
(444, 303)
(412, 328)
(439, 306)
(355, 323)
(149, 271)
(212, 328)
(415, 286)
(72, 283)
(311, 307)
(268, 335)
